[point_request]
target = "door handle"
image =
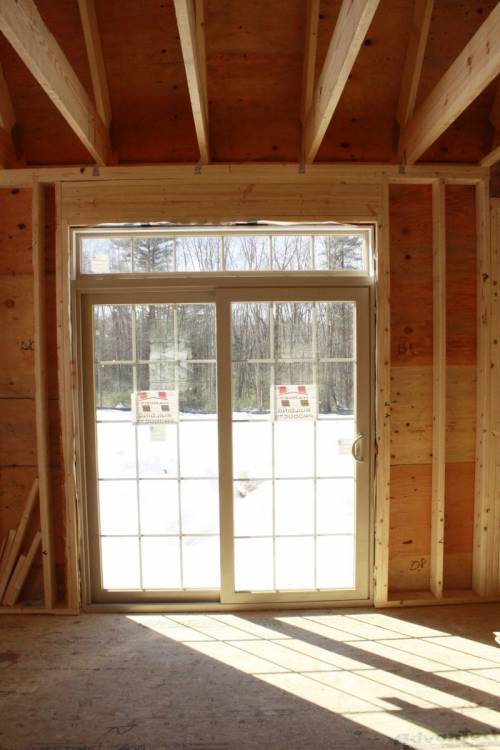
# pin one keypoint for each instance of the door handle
(356, 454)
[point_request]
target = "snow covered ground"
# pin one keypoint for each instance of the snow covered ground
(294, 508)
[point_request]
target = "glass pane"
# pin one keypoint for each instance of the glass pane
(157, 376)
(253, 507)
(157, 450)
(334, 439)
(118, 507)
(338, 253)
(253, 564)
(115, 450)
(159, 506)
(251, 390)
(336, 387)
(336, 506)
(113, 333)
(335, 562)
(120, 562)
(197, 388)
(251, 333)
(336, 330)
(196, 326)
(106, 255)
(200, 506)
(293, 373)
(252, 450)
(198, 449)
(294, 507)
(292, 253)
(155, 332)
(201, 562)
(161, 563)
(295, 563)
(247, 253)
(113, 391)
(293, 330)
(198, 253)
(294, 449)
(153, 254)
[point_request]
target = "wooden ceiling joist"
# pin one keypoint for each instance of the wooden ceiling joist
(93, 45)
(422, 14)
(472, 71)
(310, 48)
(194, 63)
(7, 121)
(24, 28)
(350, 30)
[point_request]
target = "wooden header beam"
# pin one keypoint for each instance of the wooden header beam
(422, 14)
(350, 30)
(23, 26)
(474, 69)
(361, 173)
(189, 34)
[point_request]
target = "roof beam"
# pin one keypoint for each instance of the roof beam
(350, 30)
(310, 48)
(194, 65)
(474, 69)
(24, 28)
(422, 14)
(93, 44)
(7, 122)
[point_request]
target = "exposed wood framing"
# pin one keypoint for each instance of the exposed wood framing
(23, 26)
(383, 407)
(41, 392)
(486, 505)
(491, 158)
(7, 121)
(196, 77)
(96, 60)
(199, 15)
(474, 69)
(439, 388)
(494, 117)
(350, 30)
(359, 173)
(310, 49)
(422, 14)
(65, 371)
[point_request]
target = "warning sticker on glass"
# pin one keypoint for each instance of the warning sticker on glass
(295, 402)
(155, 407)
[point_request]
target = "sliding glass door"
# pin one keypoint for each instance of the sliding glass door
(227, 444)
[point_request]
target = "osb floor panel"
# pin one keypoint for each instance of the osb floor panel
(414, 678)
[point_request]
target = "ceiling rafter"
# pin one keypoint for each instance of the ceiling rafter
(24, 28)
(422, 14)
(310, 50)
(95, 57)
(471, 72)
(193, 54)
(350, 30)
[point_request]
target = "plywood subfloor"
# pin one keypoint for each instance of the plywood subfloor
(422, 677)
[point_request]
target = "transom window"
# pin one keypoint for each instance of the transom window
(235, 249)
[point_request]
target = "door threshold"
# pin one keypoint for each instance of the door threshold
(170, 607)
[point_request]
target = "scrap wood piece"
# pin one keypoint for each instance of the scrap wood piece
(6, 547)
(23, 567)
(9, 561)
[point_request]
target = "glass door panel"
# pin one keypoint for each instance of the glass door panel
(156, 430)
(297, 408)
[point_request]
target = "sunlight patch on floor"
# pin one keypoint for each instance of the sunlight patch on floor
(400, 679)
